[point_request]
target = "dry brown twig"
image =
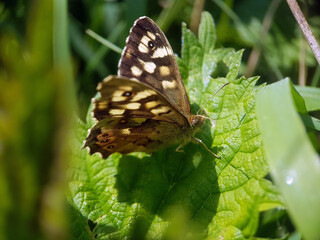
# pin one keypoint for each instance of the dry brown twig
(196, 15)
(296, 11)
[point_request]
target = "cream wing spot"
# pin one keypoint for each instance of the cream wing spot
(160, 52)
(142, 48)
(149, 67)
(136, 71)
(169, 51)
(118, 93)
(164, 70)
(145, 39)
(118, 99)
(101, 104)
(142, 95)
(128, 55)
(125, 131)
(151, 35)
(132, 106)
(117, 111)
(126, 88)
(152, 104)
(160, 110)
(169, 85)
(99, 87)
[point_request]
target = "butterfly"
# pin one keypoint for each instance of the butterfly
(145, 107)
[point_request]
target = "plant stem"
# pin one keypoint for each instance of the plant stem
(296, 11)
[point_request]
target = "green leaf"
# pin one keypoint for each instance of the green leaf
(311, 122)
(242, 166)
(79, 225)
(233, 61)
(199, 58)
(294, 163)
(192, 58)
(193, 194)
(311, 96)
(207, 33)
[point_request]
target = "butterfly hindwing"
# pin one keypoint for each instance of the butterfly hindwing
(148, 57)
(131, 135)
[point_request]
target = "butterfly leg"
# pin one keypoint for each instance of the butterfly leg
(178, 149)
(197, 140)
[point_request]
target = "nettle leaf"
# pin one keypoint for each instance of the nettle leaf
(190, 195)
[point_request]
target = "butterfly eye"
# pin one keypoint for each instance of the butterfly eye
(195, 121)
(103, 138)
(150, 44)
(127, 94)
(111, 147)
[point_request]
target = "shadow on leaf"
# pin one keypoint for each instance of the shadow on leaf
(171, 185)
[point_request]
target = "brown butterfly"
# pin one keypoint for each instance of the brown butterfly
(145, 108)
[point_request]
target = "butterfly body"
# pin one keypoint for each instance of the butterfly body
(145, 108)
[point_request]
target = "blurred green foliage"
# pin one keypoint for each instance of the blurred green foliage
(42, 87)
(36, 105)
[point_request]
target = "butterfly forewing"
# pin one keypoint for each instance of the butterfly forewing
(148, 57)
(129, 98)
(146, 107)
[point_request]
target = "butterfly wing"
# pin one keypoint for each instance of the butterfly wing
(131, 136)
(148, 57)
(130, 116)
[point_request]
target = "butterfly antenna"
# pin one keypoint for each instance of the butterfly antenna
(212, 97)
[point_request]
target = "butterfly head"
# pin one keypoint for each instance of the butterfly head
(196, 121)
